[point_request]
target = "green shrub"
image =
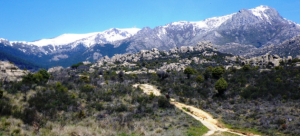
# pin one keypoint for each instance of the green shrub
(246, 67)
(84, 79)
(99, 106)
(217, 72)
(87, 88)
(1, 93)
(221, 85)
(199, 79)
(163, 102)
(151, 96)
(189, 71)
(81, 114)
(45, 74)
(76, 65)
(60, 88)
(121, 108)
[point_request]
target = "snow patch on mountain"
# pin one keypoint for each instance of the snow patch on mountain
(61, 40)
(5, 42)
(161, 32)
(207, 24)
(213, 22)
(260, 12)
(88, 39)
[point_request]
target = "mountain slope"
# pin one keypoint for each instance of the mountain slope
(259, 27)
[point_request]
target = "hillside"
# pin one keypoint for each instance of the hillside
(21, 63)
(244, 95)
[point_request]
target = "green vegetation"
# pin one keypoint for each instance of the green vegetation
(1, 93)
(77, 65)
(197, 131)
(221, 85)
(218, 71)
(21, 63)
(189, 71)
(103, 102)
(199, 79)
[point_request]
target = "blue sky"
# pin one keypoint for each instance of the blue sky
(29, 20)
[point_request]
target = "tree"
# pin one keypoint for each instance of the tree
(163, 102)
(189, 71)
(162, 74)
(207, 73)
(45, 74)
(77, 65)
(246, 67)
(1, 93)
(221, 85)
(217, 72)
(87, 88)
(199, 79)
(121, 76)
(37, 77)
(60, 88)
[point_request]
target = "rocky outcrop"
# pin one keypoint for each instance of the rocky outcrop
(11, 73)
(55, 69)
(205, 46)
(263, 60)
(173, 66)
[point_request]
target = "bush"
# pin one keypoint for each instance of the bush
(246, 67)
(60, 88)
(207, 73)
(151, 96)
(45, 74)
(163, 102)
(217, 72)
(121, 108)
(84, 79)
(77, 65)
(221, 85)
(162, 74)
(81, 114)
(189, 71)
(87, 88)
(199, 79)
(1, 93)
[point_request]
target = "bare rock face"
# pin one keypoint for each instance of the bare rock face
(11, 73)
(54, 69)
(263, 60)
(155, 53)
(173, 66)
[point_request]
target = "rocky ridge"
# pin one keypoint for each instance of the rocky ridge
(155, 53)
(11, 73)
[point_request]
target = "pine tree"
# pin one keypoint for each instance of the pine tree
(221, 85)
(189, 71)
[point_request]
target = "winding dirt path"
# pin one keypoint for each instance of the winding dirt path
(205, 118)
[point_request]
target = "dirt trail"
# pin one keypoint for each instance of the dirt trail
(204, 117)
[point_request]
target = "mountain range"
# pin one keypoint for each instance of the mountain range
(247, 29)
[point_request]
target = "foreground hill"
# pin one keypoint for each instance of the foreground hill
(258, 95)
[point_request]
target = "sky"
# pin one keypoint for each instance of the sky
(30, 20)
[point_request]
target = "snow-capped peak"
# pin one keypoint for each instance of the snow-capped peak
(213, 22)
(61, 40)
(260, 12)
(4, 41)
(88, 39)
(209, 23)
